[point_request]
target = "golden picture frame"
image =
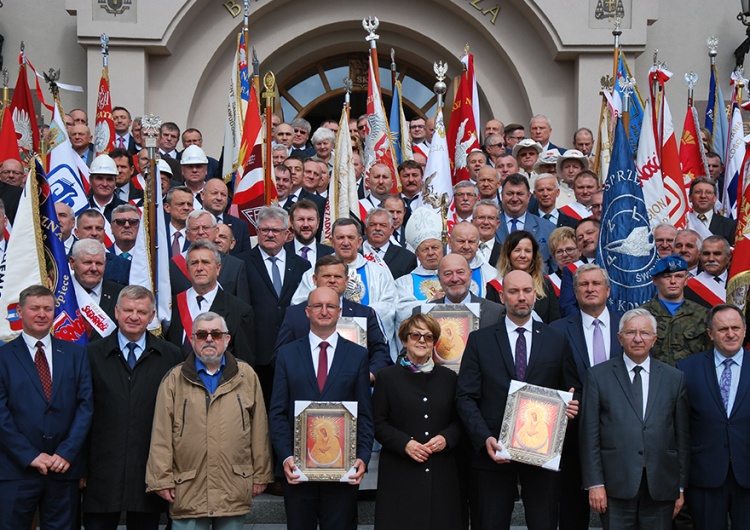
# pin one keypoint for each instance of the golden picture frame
(534, 425)
(456, 322)
(325, 440)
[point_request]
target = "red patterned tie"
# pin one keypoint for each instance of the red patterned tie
(40, 360)
(322, 365)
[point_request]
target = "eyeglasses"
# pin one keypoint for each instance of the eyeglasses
(269, 231)
(215, 334)
(123, 222)
(319, 307)
(501, 146)
(416, 336)
(631, 334)
(568, 251)
(300, 131)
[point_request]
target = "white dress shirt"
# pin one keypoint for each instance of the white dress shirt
(315, 341)
(280, 263)
(735, 369)
(312, 253)
(46, 342)
(645, 376)
(588, 333)
(511, 327)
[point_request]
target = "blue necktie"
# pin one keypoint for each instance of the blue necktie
(275, 275)
(513, 225)
(725, 383)
(131, 354)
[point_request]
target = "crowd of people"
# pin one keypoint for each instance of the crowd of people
(200, 421)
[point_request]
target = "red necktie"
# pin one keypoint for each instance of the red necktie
(322, 365)
(40, 360)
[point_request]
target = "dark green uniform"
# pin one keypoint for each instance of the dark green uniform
(681, 334)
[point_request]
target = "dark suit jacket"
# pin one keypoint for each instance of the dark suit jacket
(487, 368)
(715, 440)
(615, 439)
(562, 218)
(232, 278)
(400, 261)
(240, 232)
(320, 249)
(295, 380)
(239, 317)
(296, 325)
(117, 269)
(490, 313)
(572, 326)
(723, 226)
(29, 424)
(271, 308)
(10, 196)
(108, 209)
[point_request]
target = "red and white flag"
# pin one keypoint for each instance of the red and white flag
(437, 173)
(8, 139)
(674, 182)
(104, 132)
(378, 149)
(24, 116)
(738, 280)
(463, 129)
(648, 165)
(692, 156)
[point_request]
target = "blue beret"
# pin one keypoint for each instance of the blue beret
(672, 263)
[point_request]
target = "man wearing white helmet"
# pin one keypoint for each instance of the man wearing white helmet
(102, 177)
(194, 163)
(569, 164)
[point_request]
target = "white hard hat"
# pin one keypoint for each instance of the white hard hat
(103, 165)
(193, 155)
(164, 167)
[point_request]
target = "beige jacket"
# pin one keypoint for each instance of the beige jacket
(210, 448)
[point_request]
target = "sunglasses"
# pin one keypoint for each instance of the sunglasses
(123, 222)
(215, 334)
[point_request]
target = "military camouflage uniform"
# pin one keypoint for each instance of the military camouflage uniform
(681, 334)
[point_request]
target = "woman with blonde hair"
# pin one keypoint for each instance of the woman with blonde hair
(564, 251)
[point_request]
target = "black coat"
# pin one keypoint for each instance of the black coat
(548, 308)
(120, 433)
(410, 405)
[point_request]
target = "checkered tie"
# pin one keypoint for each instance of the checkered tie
(42, 366)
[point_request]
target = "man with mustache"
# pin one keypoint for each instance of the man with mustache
(709, 287)
(378, 247)
(209, 417)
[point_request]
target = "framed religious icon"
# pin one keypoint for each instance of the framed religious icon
(534, 425)
(456, 322)
(325, 440)
(353, 329)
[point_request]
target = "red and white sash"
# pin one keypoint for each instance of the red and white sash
(185, 317)
(708, 289)
(93, 314)
(179, 260)
(576, 210)
(556, 281)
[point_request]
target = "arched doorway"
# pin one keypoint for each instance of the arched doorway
(316, 92)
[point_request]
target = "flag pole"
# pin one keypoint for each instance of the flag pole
(371, 26)
(5, 94)
(691, 78)
(713, 45)
(616, 32)
(347, 97)
(269, 80)
(440, 88)
(393, 70)
(151, 127)
(51, 77)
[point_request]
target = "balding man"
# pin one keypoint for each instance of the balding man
(540, 129)
(380, 181)
(465, 241)
(215, 196)
(12, 173)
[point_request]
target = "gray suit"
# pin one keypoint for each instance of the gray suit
(490, 313)
(619, 448)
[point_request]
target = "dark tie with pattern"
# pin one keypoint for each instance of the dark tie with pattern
(521, 355)
(725, 383)
(305, 250)
(131, 354)
(42, 366)
(322, 365)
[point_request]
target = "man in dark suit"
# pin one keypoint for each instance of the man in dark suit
(486, 217)
(125, 191)
(634, 433)
(717, 385)
(126, 369)
(10, 195)
(540, 130)
(703, 219)
(87, 263)
(203, 264)
(331, 271)
(215, 196)
(378, 247)
(305, 223)
(310, 179)
(592, 334)
(321, 366)
(273, 275)
(525, 350)
(515, 216)
(90, 225)
(454, 275)
(201, 226)
(546, 192)
(123, 139)
(45, 413)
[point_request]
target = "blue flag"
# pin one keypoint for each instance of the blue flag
(635, 108)
(626, 244)
(716, 122)
(69, 324)
(395, 123)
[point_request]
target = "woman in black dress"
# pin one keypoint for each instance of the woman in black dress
(416, 421)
